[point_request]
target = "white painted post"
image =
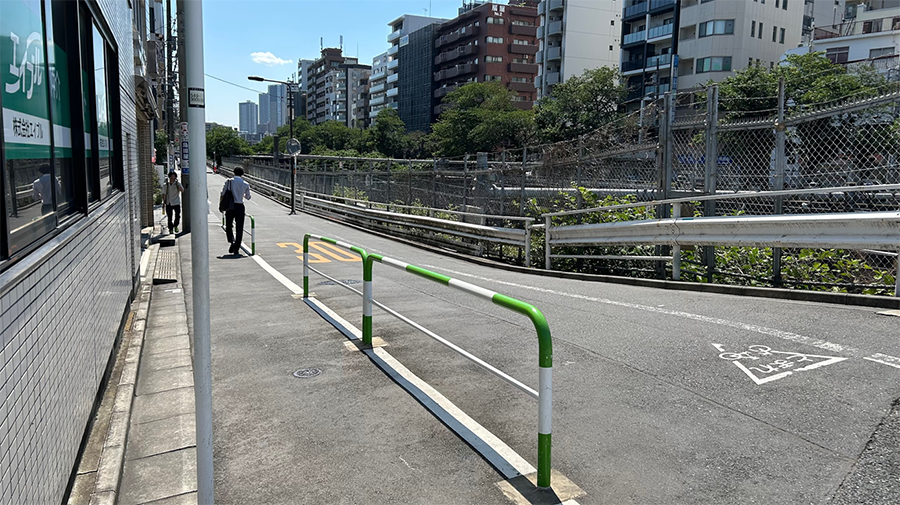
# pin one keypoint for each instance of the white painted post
(676, 249)
(196, 116)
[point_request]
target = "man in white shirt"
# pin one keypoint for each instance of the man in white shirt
(241, 191)
(172, 201)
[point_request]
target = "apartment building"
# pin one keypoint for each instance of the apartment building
(712, 38)
(488, 42)
(868, 35)
(576, 35)
(399, 38)
(248, 117)
(321, 84)
(359, 109)
(342, 87)
(378, 84)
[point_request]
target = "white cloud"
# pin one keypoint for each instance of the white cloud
(269, 59)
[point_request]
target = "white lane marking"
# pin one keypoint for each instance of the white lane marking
(884, 359)
(297, 290)
(785, 335)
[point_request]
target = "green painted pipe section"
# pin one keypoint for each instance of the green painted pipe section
(329, 240)
(545, 343)
(428, 274)
(543, 477)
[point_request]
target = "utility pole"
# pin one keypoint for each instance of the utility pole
(194, 103)
(182, 114)
(170, 77)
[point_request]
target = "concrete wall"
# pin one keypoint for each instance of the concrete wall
(589, 29)
(62, 309)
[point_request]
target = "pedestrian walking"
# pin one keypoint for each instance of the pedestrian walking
(172, 201)
(42, 189)
(240, 189)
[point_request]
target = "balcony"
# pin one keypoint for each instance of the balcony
(554, 28)
(393, 50)
(527, 68)
(634, 38)
(392, 92)
(521, 86)
(393, 64)
(554, 5)
(442, 92)
(378, 88)
(395, 35)
(470, 31)
(654, 61)
(530, 31)
(450, 73)
(551, 78)
(539, 57)
(376, 76)
(553, 53)
(662, 88)
(635, 11)
(376, 101)
(540, 32)
(660, 31)
(523, 48)
(454, 54)
(630, 66)
(657, 6)
(538, 81)
(393, 78)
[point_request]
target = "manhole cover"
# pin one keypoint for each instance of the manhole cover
(306, 373)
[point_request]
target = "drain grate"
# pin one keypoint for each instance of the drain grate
(166, 269)
(306, 373)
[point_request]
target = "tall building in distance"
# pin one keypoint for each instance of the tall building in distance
(248, 117)
(488, 42)
(576, 35)
(398, 38)
(320, 89)
(277, 106)
(378, 84)
(341, 86)
(264, 113)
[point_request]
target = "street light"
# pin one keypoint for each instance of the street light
(290, 91)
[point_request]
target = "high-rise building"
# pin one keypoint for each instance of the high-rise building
(401, 29)
(248, 117)
(711, 39)
(321, 89)
(378, 84)
(341, 89)
(414, 84)
(488, 42)
(264, 114)
(576, 35)
(277, 106)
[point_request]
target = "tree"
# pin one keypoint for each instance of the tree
(223, 141)
(161, 144)
(481, 118)
(388, 133)
(580, 105)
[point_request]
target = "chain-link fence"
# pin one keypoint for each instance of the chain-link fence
(681, 145)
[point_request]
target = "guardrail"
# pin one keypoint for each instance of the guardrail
(544, 395)
(252, 233)
(857, 230)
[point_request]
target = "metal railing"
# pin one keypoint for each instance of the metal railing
(544, 395)
(858, 230)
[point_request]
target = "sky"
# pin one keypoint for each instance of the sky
(267, 37)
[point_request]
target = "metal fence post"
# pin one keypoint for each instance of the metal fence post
(666, 139)
(409, 198)
(676, 249)
(524, 173)
(466, 183)
(780, 165)
(578, 196)
(547, 220)
(433, 188)
(711, 181)
(502, 183)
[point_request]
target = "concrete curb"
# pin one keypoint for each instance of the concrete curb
(112, 456)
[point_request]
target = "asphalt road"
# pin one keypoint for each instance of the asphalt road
(659, 396)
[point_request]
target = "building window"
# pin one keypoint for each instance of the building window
(784, 4)
(520, 79)
(774, 33)
(489, 78)
(493, 59)
(495, 21)
(494, 40)
(881, 51)
(519, 22)
(520, 42)
(838, 54)
(523, 59)
(714, 64)
(520, 98)
(717, 27)
(752, 29)
(760, 30)
(781, 37)
(777, 3)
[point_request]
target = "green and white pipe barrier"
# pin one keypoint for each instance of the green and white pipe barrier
(545, 344)
(367, 279)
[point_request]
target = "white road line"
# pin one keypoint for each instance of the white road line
(884, 359)
(785, 335)
(297, 290)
